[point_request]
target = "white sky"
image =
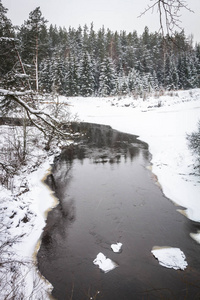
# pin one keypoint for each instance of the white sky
(114, 14)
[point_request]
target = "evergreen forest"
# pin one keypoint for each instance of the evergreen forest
(85, 62)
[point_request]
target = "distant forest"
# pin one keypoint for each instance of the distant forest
(86, 62)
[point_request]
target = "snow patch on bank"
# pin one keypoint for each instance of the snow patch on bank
(23, 219)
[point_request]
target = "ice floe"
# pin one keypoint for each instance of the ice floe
(105, 264)
(196, 236)
(116, 247)
(170, 257)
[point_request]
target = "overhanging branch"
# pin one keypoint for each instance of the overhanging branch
(47, 120)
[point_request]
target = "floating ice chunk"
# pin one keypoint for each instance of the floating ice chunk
(196, 236)
(170, 257)
(116, 247)
(105, 264)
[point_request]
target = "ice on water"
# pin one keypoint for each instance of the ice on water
(170, 257)
(116, 247)
(105, 264)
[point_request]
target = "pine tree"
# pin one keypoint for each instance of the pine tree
(81, 57)
(58, 71)
(192, 66)
(100, 45)
(197, 53)
(72, 77)
(54, 40)
(107, 78)
(130, 51)
(116, 51)
(8, 55)
(171, 74)
(91, 41)
(86, 76)
(133, 79)
(123, 86)
(45, 75)
(33, 35)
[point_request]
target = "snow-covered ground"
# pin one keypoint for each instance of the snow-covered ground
(22, 218)
(161, 122)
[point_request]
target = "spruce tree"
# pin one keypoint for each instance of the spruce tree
(58, 71)
(8, 55)
(72, 77)
(87, 81)
(100, 45)
(45, 75)
(197, 54)
(107, 78)
(91, 42)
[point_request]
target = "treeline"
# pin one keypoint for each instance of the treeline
(94, 63)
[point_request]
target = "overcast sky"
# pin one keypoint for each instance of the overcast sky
(114, 14)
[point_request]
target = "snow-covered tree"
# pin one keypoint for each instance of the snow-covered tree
(8, 55)
(87, 81)
(12, 71)
(72, 77)
(172, 60)
(100, 44)
(171, 74)
(33, 36)
(193, 75)
(45, 75)
(107, 78)
(58, 74)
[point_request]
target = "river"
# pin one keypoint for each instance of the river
(107, 194)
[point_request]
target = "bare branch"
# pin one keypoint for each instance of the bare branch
(169, 13)
(35, 124)
(48, 120)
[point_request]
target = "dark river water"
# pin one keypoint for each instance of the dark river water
(108, 195)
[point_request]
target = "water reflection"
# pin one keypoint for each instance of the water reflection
(64, 214)
(103, 144)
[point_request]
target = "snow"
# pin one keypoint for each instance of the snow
(24, 219)
(170, 257)
(116, 247)
(105, 264)
(15, 93)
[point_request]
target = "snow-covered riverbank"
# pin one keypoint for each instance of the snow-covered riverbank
(163, 123)
(22, 217)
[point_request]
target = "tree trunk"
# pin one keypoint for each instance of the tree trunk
(36, 64)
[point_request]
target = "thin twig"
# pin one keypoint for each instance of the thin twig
(171, 9)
